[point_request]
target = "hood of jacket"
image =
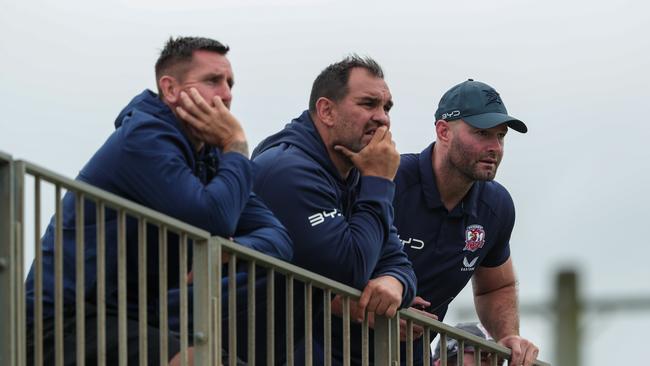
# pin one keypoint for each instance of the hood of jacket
(302, 133)
(147, 102)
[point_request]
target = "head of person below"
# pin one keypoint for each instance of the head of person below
(471, 126)
(469, 357)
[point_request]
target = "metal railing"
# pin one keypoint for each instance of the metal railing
(227, 315)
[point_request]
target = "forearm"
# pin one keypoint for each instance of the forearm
(497, 311)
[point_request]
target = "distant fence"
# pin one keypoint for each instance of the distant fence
(222, 308)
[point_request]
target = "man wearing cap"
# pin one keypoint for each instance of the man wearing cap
(455, 221)
(469, 358)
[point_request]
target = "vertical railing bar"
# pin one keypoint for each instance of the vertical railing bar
(346, 330)
(182, 282)
(426, 346)
(409, 342)
(289, 322)
(38, 276)
(142, 291)
(461, 351)
(121, 286)
(80, 282)
(202, 309)
(162, 294)
(19, 176)
(327, 326)
(58, 278)
(101, 284)
(216, 352)
(251, 312)
(218, 261)
(395, 340)
(232, 309)
(365, 340)
(494, 357)
(477, 354)
(309, 328)
(443, 348)
(270, 315)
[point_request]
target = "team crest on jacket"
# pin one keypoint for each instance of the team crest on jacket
(474, 238)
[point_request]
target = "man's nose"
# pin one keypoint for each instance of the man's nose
(496, 144)
(381, 116)
(226, 95)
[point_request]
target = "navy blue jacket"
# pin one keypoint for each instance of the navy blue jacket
(447, 246)
(149, 160)
(341, 228)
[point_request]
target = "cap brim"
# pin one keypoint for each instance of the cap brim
(489, 120)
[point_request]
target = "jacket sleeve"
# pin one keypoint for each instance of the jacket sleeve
(306, 201)
(395, 262)
(260, 230)
(155, 172)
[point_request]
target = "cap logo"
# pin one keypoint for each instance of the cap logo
(474, 238)
(492, 97)
(450, 115)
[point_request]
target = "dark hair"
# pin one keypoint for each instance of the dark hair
(332, 83)
(180, 50)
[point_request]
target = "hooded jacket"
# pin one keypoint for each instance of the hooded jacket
(148, 159)
(341, 228)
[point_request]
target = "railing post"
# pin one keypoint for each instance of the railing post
(386, 340)
(567, 334)
(19, 258)
(8, 311)
(203, 293)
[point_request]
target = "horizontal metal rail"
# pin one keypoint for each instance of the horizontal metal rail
(115, 201)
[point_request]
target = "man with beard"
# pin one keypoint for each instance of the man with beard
(328, 177)
(455, 221)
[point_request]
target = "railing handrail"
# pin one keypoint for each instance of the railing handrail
(113, 200)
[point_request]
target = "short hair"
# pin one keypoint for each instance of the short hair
(332, 83)
(179, 51)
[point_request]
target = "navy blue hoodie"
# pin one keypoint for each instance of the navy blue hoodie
(341, 228)
(149, 160)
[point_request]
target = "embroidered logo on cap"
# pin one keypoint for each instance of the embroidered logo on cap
(492, 97)
(474, 238)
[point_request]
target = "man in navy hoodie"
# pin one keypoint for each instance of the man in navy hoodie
(182, 153)
(455, 221)
(328, 177)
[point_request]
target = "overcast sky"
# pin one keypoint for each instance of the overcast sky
(575, 71)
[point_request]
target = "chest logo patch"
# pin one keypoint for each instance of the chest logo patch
(474, 238)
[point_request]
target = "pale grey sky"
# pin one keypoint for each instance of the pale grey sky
(574, 71)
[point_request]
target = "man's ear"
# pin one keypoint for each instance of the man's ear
(326, 111)
(170, 89)
(443, 131)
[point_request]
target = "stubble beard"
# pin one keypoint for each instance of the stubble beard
(468, 165)
(343, 138)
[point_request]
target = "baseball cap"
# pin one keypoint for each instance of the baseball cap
(478, 104)
(474, 328)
